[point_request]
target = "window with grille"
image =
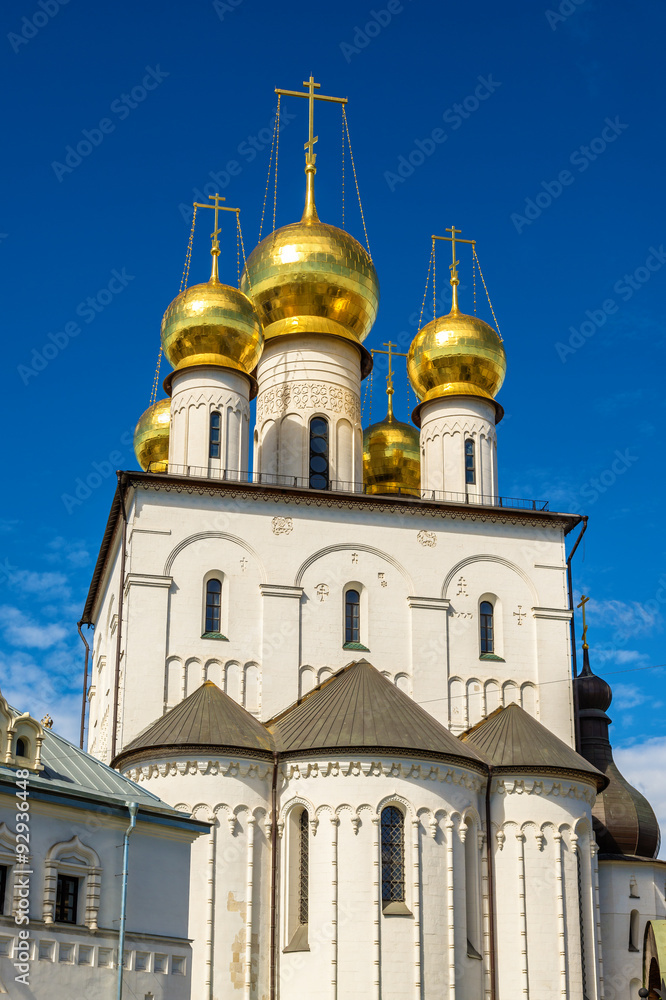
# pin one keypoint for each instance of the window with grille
(393, 855)
(213, 605)
(319, 454)
(352, 616)
(4, 869)
(303, 866)
(67, 898)
(487, 629)
(470, 462)
(215, 427)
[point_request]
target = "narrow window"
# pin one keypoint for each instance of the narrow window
(487, 631)
(215, 421)
(21, 750)
(393, 856)
(213, 605)
(319, 454)
(633, 931)
(3, 887)
(303, 867)
(67, 897)
(470, 467)
(352, 616)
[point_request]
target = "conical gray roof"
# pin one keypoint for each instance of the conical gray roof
(358, 709)
(207, 718)
(512, 739)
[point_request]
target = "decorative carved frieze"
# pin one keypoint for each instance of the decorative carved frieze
(277, 400)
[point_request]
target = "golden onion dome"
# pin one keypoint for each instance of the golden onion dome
(392, 457)
(456, 355)
(212, 324)
(151, 437)
(309, 277)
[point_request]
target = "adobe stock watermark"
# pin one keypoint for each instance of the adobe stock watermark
(626, 287)
(563, 12)
(224, 7)
(596, 486)
(87, 310)
(248, 150)
(363, 35)
(454, 117)
(31, 26)
(101, 472)
(581, 158)
(121, 107)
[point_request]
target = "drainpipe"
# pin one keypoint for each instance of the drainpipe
(574, 662)
(274, 871)
(491, 889)
(133, 808)
(121, 601)
(85, 682)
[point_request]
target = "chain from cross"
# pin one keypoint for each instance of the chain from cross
(583, 602)
(310, 155)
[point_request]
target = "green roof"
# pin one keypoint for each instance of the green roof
(71, 771)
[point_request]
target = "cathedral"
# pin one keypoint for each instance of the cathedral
(336, 670)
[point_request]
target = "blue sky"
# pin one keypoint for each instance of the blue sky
(535, 129)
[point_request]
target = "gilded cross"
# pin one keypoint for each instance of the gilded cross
(454, 264)
(389, 378)
(215, 249)
(453, 267)
(583, 602)
(310, 156)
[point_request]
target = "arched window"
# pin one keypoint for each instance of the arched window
(319, 454)
(21, 748)
(214, 437)
(633, 931)
(213, 605)
(393, 856)
(487, 628)
(303, 866)
(470, 463)
(352, 616)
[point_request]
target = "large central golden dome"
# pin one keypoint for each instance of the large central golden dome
(309, 277)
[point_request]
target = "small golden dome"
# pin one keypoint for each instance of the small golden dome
(151, 437)
(456, 355)
(392, 457)
(212, 324)
(309, 277)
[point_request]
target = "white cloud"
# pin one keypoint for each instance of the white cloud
(628, 696)
(74, 552)
(628, 618)
(43, 586)
(50, 686)
(19, 630)
(620, 657)
(644, 765)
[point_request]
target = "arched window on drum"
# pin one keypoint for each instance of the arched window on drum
(319, 454)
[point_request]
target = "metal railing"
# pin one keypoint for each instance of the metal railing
(338, 486)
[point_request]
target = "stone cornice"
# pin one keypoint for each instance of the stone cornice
(559, 614)
(278, 590)
(408, 507)
(429, 603)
